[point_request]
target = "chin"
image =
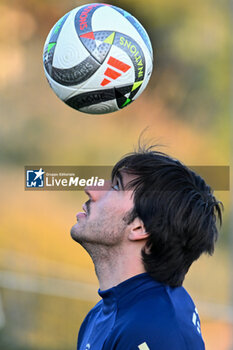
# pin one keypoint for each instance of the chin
(74, 233)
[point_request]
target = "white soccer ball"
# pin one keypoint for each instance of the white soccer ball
(98, 58)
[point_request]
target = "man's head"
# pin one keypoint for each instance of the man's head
(156, 205)
(178, 210)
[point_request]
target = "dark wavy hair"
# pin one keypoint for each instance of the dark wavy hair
(178, 210)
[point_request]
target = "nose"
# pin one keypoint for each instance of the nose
(96, 192)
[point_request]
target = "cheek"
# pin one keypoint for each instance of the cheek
(127, 204)
(120, 209)
(118, 205)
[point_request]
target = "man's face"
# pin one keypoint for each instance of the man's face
(103, 221)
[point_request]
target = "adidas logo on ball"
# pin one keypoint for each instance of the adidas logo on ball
(113, 74)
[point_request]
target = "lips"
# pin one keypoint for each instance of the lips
(81, 215)
(86, 211)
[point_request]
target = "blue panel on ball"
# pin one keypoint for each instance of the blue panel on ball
(50, 48)
(137, 26)
(48, 59)
(102, 35)
(89, 44)
(92, 40)
(101, 52)
(57, 28)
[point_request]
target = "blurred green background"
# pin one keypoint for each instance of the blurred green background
(47, 282)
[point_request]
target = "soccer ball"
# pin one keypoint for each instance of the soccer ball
(98, 58)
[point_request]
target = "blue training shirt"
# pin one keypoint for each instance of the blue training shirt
(142, 314)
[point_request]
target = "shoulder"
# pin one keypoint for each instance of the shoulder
(93, 313)
(157, 319)
(151, 306)
(90, 318)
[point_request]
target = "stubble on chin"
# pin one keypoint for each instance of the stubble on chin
(104, 233)
(75, 233)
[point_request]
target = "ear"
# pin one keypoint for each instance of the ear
(137, 230)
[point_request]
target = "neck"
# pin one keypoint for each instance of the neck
(113, 265)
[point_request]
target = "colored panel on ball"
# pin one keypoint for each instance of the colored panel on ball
(90, 98)
(48, 58)
(97, 49)
(90, 45)
(103, 35)
(110, 39)
(50, 46)
(101, 52)
(136, 54)
(120, 95)
(57, 28)
(128, 100)
(76, 74)
(124, 89)
(136, 85)
(134, 51)
(120, 98)
(83, 18)
(89, 35)
(137, 25)
(142, 33)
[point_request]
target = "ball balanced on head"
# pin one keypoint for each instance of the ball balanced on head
(98, 58)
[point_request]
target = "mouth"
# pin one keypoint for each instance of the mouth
(81, 215)
(85, 212)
